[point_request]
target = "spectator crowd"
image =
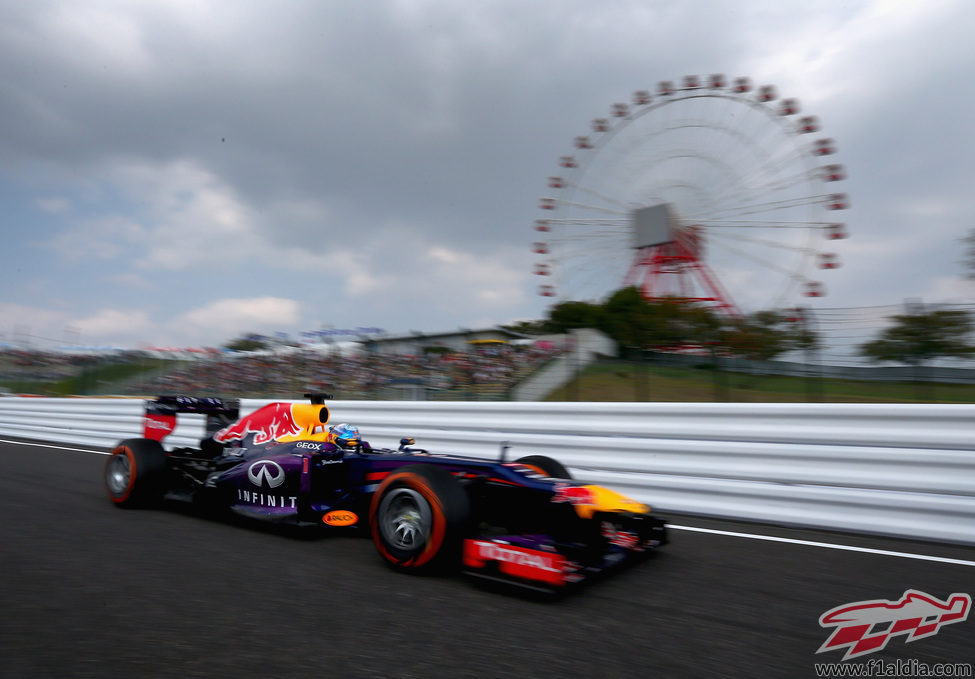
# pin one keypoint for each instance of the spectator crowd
(487, 373)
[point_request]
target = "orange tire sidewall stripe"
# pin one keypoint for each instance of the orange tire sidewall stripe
(537, 469)
(438, 529)
(124, 450)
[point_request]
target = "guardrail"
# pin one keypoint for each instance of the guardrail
(901, 469)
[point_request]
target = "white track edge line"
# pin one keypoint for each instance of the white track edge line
(826, 545)
(44, 445)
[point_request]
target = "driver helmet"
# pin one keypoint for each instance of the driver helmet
(345, 436)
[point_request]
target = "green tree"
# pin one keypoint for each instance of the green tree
(916, 338)
(673, 322)
(801, 336)
(760, 336)
(626, 318)
(969, 262)
(527, 327)
(664, 323)
(248, 342)
(704, 325)
(569, 315)
(676, 322)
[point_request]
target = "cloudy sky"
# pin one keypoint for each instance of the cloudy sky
(179, 172)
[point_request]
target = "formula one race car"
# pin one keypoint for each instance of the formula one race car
(525, 522)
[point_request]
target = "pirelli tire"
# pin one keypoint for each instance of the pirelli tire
(546, 465)
(134, 473)
(418, 517)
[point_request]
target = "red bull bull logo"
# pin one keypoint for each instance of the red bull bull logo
(576, 495)
(621, 538)
(270, 423)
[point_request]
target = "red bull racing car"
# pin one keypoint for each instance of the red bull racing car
(524, 522)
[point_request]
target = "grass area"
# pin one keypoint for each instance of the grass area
(629, 382)
(94, 380)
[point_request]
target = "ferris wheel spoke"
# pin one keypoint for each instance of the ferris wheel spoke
(619, 223)
(586, 244)
(588, 247)
(770, 178)
(696, 156)
(587, 276)
(755, 224)
(684, 164)
(589, 283)
(770, 265)
(685, 125)
(762, 182)
(770, 206)
(724, 238)
(738, 138)
(675, 187)
(591, 208)
(785, 183)
(786, 160)
(582, 228)
(768, 168)
(601, 196)
(585, 248)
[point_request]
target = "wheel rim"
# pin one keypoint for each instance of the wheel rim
(118, 474)
(405, 519)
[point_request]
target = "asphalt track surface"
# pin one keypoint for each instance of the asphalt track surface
(89, 590)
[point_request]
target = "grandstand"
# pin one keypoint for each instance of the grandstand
(466, 365)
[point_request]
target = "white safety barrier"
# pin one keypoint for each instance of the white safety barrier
(895, 469)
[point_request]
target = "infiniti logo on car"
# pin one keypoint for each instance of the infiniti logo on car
(266, 471)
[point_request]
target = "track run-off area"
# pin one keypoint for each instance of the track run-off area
(89, 590)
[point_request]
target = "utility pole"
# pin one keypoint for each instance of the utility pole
(814, 384)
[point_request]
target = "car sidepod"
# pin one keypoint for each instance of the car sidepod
(267, 485)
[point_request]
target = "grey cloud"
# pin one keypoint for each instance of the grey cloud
(334, 123)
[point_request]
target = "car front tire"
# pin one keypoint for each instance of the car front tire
(418, 516)
(546, 465)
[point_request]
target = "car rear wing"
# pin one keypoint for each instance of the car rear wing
(161, 412)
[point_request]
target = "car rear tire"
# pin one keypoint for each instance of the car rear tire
(546, 465)
(417, 518)
(134, 471)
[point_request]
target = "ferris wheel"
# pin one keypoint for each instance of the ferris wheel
(708, 190)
